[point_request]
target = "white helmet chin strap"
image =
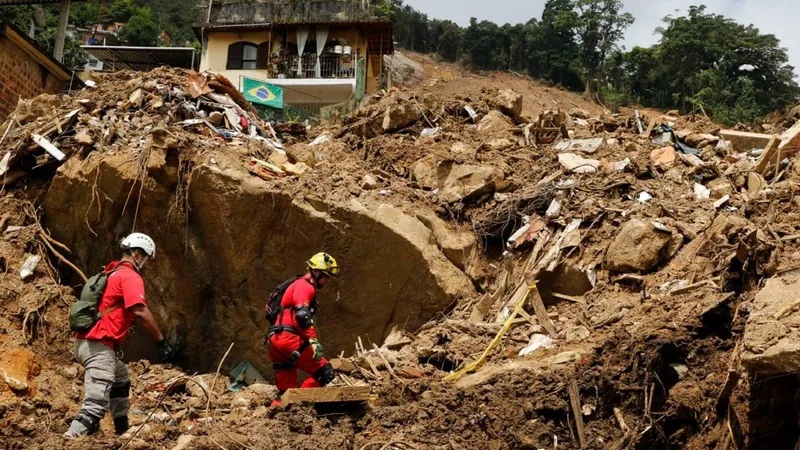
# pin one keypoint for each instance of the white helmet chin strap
(136, 262)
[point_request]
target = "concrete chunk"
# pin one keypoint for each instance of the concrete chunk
(743, 141)
(772, 334)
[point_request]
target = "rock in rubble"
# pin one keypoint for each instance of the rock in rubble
(720, 188)
(579, 113)
(638, 247)
(462, 149)
(399, 116)
(772, 333)
(405, 71)
(461, 182)
(495, 123)
(456, 246)
(509, 102)
(424, 172)
(369, 183)
(663, 157)
(500, 144)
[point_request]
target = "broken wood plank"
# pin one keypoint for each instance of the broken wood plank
(724, 398)
(650, 128)
(568, 298)
(327, 395)
(769, 153)
(692, 287)
(575, 403)
(482, 307)
(48, 146)
(541, 314)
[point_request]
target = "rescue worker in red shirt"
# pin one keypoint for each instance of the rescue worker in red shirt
(292, 342)
(106, 382)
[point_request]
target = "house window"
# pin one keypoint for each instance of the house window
(245, 56)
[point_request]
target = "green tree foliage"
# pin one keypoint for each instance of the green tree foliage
(600, 25)
(74, 56)
(140, 30)
(733, 72)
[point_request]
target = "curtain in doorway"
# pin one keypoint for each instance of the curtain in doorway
(302, 37)
(322, 38)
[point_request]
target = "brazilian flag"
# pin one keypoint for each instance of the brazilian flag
(262, 93)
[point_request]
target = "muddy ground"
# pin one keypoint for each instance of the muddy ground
(646, 301)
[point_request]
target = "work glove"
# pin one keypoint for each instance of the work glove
(166, 351)
(317, 347)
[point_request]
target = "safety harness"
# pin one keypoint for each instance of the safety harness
(279, 327)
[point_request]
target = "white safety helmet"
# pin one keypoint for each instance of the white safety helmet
(141, 241)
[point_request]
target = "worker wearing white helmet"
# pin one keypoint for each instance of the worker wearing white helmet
(107, 383)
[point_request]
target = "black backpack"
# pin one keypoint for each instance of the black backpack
(273, 307)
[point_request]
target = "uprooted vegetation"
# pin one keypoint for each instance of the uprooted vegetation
(662, 258)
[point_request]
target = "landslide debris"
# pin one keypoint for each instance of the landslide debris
(660, 307)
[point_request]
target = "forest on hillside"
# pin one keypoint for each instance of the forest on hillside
(703, 61)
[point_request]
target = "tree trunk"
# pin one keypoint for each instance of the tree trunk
(588, 92)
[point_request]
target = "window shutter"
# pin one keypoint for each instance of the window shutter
(235, 56)
(263, 55)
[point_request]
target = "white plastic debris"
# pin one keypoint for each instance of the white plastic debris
(554, 210)
(321, 139)
(537, 341)
(644, 197)
(722, 201)
(428, 132)
(620, 166)
(701, 192)
(519, 233)
(29, 266)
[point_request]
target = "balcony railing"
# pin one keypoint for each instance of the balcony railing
(331, 66)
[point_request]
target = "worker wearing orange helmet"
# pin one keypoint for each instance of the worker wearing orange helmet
(292, 342)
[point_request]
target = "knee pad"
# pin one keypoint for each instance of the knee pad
(90, 422)
(324, 374)
(122, 390)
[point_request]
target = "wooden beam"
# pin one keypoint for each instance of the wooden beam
(327, 395)
(768, 155)
(541, 314)
(575, 403)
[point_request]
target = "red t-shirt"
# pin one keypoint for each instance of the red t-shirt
(299, 294)
(125, 289)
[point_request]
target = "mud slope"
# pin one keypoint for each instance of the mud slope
(217, 263)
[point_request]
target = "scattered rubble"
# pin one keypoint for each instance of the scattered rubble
(598, 266)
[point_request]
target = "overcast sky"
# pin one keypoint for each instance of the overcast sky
(778, 17)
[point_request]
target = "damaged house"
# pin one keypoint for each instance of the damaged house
(320, 53)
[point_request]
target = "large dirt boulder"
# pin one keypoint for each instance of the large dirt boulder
(638, 247)
(495, 123)
(457, 246)
(238, 238)
(772, 334)
(462, 182)
(400, 116)
(405, 71)
(509, 102)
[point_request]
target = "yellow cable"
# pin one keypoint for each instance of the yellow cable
(506, 326)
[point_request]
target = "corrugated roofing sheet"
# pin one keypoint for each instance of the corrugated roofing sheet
(142, 58)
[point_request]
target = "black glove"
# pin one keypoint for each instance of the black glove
(166, 351)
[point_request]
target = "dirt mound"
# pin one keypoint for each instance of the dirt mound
(538, 279)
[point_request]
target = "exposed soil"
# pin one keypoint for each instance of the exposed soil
(650, 350)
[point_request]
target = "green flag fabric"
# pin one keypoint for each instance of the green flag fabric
(263, 93)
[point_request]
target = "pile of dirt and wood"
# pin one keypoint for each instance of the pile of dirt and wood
(568, 279)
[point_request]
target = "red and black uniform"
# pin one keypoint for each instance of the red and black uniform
(288, 340)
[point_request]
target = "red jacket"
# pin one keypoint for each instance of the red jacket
(300, 294)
